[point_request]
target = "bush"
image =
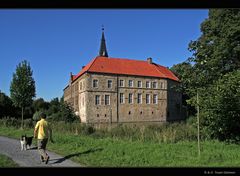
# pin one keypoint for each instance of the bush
(28, 123)
(87, 130)
(11, 122)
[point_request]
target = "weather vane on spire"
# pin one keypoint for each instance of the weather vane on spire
(102, 27)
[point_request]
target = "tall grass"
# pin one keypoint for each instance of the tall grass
(162, 133)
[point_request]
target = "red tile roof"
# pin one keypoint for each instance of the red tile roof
(126, 67)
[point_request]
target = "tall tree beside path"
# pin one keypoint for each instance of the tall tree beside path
(22, 89)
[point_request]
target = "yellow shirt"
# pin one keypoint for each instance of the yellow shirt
(42, 127)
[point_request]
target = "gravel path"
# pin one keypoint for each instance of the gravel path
(30, 158)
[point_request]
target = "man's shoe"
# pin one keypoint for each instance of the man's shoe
(47, 160)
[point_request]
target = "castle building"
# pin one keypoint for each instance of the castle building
(112, 90)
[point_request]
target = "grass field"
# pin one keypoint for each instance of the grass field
(7, 162)
(110, 152)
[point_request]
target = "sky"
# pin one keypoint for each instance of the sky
(58, 41)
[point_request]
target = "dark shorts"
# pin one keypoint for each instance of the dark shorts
(42, 143)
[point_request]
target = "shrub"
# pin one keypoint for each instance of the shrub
(87, 130)
(28, 123)
(11, 122)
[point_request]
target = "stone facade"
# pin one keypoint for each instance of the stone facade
(111, 98)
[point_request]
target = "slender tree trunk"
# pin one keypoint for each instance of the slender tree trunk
(22, 119)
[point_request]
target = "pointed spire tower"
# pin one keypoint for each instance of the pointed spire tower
(103, 48)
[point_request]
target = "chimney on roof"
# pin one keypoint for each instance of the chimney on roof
(71, 76)
(149, 60)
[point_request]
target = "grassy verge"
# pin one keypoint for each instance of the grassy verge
(111, 152)
(7, 162)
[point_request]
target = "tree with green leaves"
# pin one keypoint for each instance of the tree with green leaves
(184, 72)
(40, 104)
(217, 51)
(61, 111)
(216, 57)
(22, 89)
(6, 105)
(221, 110)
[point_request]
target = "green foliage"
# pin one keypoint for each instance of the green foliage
(211, 72)
(217, 50)
(10, 122)
(162, 133)
(60, 111)
(22, 89)
(87, 129)
(28, 123)
(54, 106)
(221, 110)
(109, 152)
(67, 113)
(184, 72)
(6, 106)
(39, 104)
(36, 116)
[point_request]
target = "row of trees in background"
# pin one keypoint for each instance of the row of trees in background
(21, 102)
(56, 110)
(214, 71)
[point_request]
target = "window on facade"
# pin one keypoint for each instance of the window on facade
(121, 83)
(121, 98)
(130, 98)
(97, 100)
(148, 84)
(154, 85)
(109, 84)
(139, 83)
(147, 99)
(83, 101)
(95, 83)
(155, 99)
(107, 99)
(139, 98)
(161, 85)
(130, 83)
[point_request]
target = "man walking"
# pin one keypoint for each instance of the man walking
(42, 132)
